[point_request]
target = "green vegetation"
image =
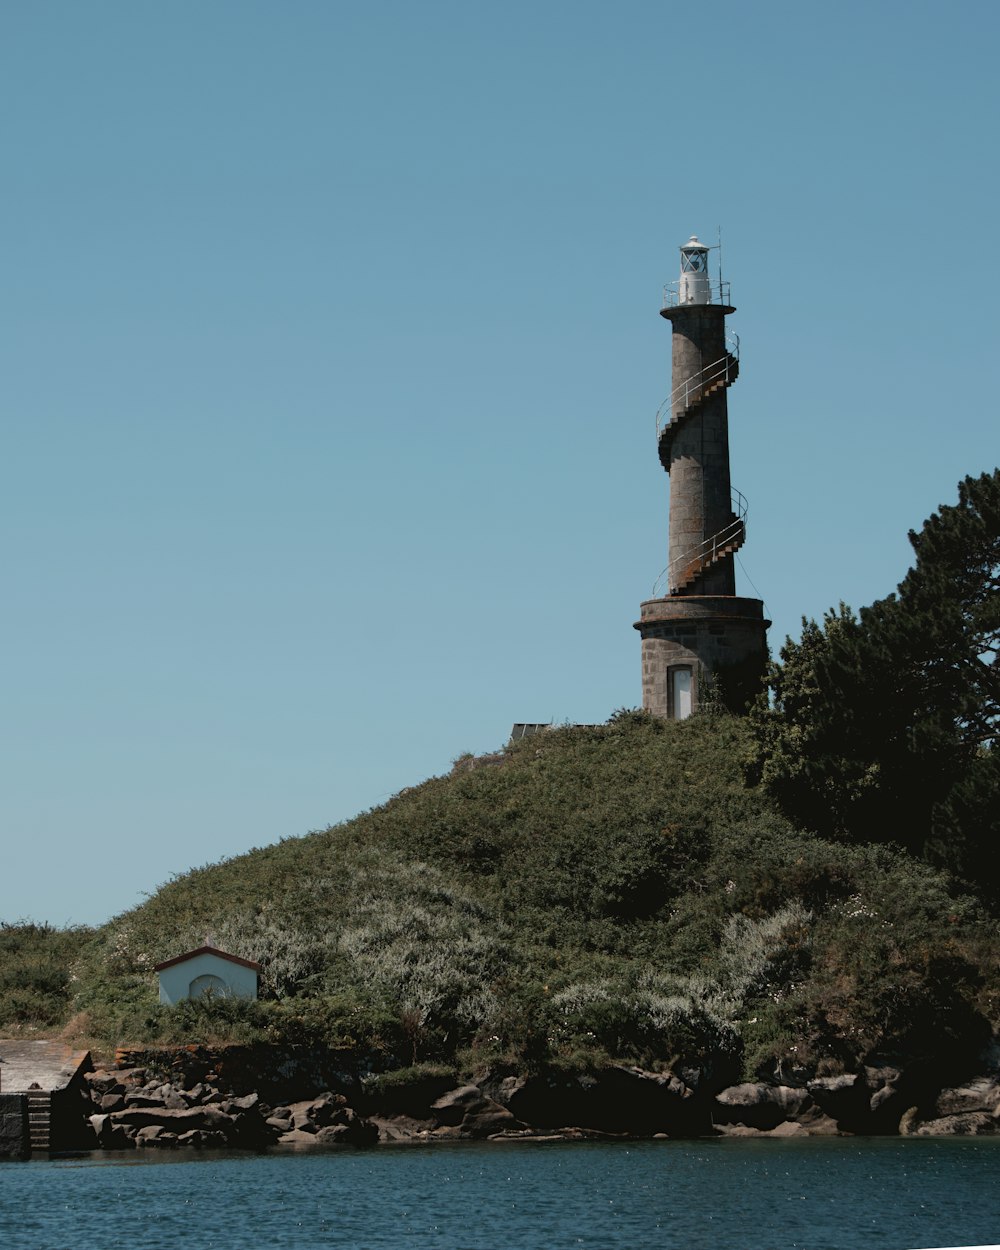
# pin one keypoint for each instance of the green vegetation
(613, 891)
(35, 976)
(642, 890)
(884, 726)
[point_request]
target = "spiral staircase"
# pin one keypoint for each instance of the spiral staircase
(683, 402)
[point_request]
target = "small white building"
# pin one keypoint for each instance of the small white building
(207, 971)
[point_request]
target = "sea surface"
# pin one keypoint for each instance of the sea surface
(821, 1194)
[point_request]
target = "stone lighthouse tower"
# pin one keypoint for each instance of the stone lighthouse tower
(698, 635)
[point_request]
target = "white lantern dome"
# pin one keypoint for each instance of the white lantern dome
(694, 286)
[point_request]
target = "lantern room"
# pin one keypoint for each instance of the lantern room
(694, 287)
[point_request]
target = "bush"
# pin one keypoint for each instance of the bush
(610, 891)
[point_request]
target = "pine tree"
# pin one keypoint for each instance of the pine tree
(884, 726)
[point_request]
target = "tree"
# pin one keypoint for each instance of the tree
(884, 726)
(953, 591)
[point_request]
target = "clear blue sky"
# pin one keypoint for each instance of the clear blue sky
(331, 355)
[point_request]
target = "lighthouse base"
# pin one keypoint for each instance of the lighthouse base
(701, 648)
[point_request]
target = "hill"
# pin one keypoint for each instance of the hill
(608, 892)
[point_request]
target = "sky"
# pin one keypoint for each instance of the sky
(330, 360)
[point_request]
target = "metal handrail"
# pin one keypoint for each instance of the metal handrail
(718, 293)
(721, 370)
(706, 552)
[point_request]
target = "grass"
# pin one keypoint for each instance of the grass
(616, 891)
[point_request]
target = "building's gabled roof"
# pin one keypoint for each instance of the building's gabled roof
(207, 950)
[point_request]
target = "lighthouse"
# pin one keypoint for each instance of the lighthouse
(700, 640)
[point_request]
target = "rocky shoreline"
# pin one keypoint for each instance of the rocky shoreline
(203, 1099)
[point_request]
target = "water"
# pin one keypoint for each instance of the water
(821, 1194)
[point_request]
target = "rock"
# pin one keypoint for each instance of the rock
(109, 1136)
(317, 1113)
(249, 1102)
(198, 1139)
(296, 1137)
(472, 1112)
(131, 1076)
(103, 1082)
(357, 1132)
(734, 1130)
(528, 1135)
(966, 1124)
(399, 1128)
(111, 1102)
(209, 1118)
(982, 1094)
(173, 1098)
(616, 1100)
(447, 1132)
(817, 1124)
(845, 1099)
(788, 1128)
(155, 1135)
(143, 1098)
(759, 1105)
(249, 1128)
(411, 1097)
(894, 1091)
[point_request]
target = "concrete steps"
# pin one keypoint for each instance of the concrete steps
(39, 1120)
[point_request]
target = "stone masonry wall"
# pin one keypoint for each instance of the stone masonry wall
(700, 490)
(715, 635)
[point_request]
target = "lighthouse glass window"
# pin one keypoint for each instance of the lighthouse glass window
(693, 262)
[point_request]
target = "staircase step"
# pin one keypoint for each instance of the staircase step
(39, 1120)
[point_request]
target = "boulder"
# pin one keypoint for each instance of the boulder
(249, 1127)
(131, 1076)
(174, 1098)
(356, 1132)
(409, 1094)
(966, 1124)
(143, 1098)
(103, 1082)
(982, 1094)
(894, 1091)
(248, 1102)
(759, 1105)
(109, 1136)
(199, 1139)
(614, 1100)
(845, 1099)
(788, 1128)
(209, 1118)
(155, 1135)
(472, 1112)
(399, 1128)
(296, 1137)
(316, 1113)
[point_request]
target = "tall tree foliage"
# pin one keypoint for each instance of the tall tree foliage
(884, 725)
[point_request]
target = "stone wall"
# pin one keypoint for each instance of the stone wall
(700, 490)
(722, 638)
(14, 1143)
